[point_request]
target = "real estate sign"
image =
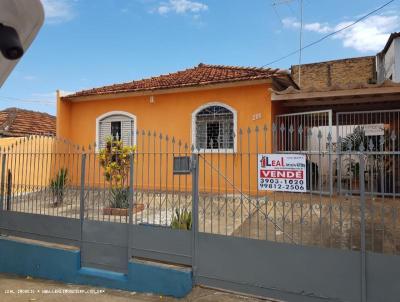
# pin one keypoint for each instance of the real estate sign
(282, 172)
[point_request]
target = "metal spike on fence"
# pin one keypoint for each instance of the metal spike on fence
(143, 132)
(309, 132)
(319, 134)
(149, 133)
(393, 136)
(173, 139)
(240, 131)
(300, 129)
(282, 128)
(166, 138)
(248, 130)
(274, 127)
(329, 137)
(382, 140)
(371, 145)
(291, 129)
(256, 129)
(154, 133)
(192, 148)
(160, 136)
(179, 143)
(361, 148)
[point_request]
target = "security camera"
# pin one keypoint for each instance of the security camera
(10, 44)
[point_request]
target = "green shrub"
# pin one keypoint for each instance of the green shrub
(182, 220)
(119, 198)
(58, 186)
(115, 160)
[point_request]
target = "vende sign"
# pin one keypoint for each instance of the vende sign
(282, 172)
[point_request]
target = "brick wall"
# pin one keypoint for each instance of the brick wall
(335, 73)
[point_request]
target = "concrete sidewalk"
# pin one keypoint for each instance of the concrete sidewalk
(18, 289)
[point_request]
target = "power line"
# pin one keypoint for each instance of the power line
(44, 102)
(330, 34)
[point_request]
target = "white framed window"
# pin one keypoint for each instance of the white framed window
(214, 128)
(118, 124)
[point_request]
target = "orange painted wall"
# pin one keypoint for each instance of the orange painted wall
(172, 114)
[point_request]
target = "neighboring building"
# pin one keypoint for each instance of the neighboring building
(353, 97)
(203, 106)
(16, 122)
(388, 60)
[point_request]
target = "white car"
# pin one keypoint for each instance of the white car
(20, 21)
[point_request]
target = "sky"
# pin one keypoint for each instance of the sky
(90, 43)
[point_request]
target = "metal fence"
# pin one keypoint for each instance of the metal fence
(351, 201)
(49, 176)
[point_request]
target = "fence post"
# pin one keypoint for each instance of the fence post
(131, 204)
(82, 195)
(9, 190)
(362, 226)
(3, 175)
(195, 209)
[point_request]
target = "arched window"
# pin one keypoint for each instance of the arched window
(118, 124)
(214, 127)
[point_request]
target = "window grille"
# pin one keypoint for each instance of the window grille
(214, 128)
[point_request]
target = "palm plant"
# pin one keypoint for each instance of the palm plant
(182, 220)
(58, 186)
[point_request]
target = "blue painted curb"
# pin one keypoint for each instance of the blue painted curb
(43, 261)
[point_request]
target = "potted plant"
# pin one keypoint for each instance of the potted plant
(58, 186)
(115, 160)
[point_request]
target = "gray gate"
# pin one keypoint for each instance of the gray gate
(295, 246)
(154, 198)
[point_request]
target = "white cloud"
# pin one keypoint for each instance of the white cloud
(370, 34)
(58, 11)
(181, 7)
(315, 27)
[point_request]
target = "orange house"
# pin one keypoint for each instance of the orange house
(205, 107)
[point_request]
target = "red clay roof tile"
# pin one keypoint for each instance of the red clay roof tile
(200, 75)
(21, 122)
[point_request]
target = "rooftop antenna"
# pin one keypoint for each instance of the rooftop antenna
(287, 2)
(301, 40)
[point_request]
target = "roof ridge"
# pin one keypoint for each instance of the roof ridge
(234, 67)
(16, 109)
